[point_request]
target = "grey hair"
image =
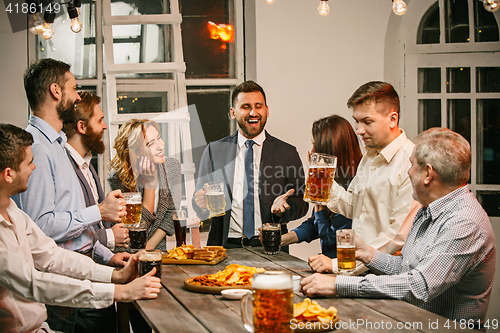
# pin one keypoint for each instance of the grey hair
(448, 153)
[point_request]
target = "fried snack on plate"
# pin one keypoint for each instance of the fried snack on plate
(311, 311)
(181, 252)
(232, 275)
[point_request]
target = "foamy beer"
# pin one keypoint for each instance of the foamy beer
(346, 251)
(216, 202)
(271, 238)
(148, 259)
(320, 178)
(133, 202)
(272, 295)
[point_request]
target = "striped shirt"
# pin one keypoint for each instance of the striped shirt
(447, 264)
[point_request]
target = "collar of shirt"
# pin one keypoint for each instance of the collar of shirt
(259, 139)
(46, 129)
(391, 149)
(83, 162)
(437, 207)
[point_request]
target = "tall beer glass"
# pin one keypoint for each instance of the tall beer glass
(133, 202)
(320, 178)
(272, 296)
(216, 202)
(346, 251)
(271, 238)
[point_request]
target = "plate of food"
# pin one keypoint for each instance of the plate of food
(234, 276)
(235, 293)
(309, 316)
(189, 255)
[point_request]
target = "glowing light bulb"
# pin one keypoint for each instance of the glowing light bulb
(399, 7)
(76, 25)
(323, 8)
(269, 2)
(491, 5)
(48, 31)
(36, 22)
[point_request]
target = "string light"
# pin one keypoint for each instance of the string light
(399, 7)
(76, 25)
(323, 8)
(491, 5)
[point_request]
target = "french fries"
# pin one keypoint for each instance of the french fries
(232, 275)
(311, 311)
(181, 252)
(207, 253)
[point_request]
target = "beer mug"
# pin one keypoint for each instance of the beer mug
(216, 202)
(138, 236)
(133, 202)
(148, 259)
(320, 178)
(271, 238)
(346, 251)
(272, 296)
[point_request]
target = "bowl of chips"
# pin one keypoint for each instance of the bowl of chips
(232, 277)
(312, 317)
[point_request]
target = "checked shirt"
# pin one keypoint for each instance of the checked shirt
(447, 264)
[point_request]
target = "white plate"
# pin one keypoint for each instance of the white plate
(235, 293)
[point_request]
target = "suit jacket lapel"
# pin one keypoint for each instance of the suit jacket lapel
(267, 154)
(100, 191)
(87, 191)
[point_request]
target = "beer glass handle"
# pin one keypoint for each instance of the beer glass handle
(244, 313)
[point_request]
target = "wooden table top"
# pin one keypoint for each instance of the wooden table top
(179, 310)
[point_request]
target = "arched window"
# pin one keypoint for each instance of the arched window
(452, 79)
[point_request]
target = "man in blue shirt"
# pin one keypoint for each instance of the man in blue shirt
(448, 260)
(54, 199)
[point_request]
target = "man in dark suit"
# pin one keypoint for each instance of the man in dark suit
(261, 175)
(85, 135)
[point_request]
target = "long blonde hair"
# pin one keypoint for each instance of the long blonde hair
(130, 144)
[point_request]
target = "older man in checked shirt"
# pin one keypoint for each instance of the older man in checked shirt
(448, 261)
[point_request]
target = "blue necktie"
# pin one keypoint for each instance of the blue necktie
(248, 204)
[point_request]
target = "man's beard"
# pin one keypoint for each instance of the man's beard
(66, 111)
(93, 141)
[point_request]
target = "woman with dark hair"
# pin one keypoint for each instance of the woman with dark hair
(140, 165)
(331, 135)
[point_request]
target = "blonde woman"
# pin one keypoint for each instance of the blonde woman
(141, 166)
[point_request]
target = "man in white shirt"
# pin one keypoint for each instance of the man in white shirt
(34, 269)
(85, 135)
(379, 197)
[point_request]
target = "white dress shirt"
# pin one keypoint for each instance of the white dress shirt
(34, 270)
(379, 196)
(236, 225)
(83, 164)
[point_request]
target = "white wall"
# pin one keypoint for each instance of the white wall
(310, 65)
(13, 63)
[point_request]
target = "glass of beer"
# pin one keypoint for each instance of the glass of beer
(216, 202)
(320, 178)
(346, 251)
(133, 202)
(138, 237)
(148, 259)
(271, 238)
(272, 296)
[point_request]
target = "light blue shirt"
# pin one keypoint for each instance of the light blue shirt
(54, 198)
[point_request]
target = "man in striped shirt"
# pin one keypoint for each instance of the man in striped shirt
(448, 261)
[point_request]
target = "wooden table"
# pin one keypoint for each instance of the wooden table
(179, 310)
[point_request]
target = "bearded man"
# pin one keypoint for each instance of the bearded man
(256, 168)
(84, 138)
(54, 198)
